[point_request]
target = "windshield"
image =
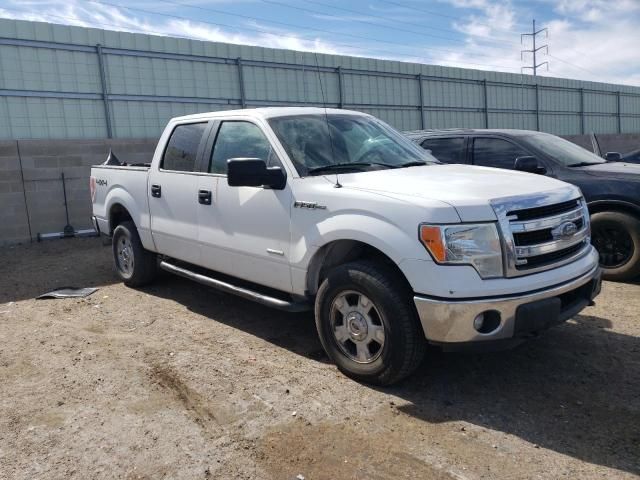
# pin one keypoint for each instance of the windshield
(561, 150)
(318, 143)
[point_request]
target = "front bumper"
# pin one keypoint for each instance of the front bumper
(451, 321)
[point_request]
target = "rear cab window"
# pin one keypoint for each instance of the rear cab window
(447, 150)
(181, 152)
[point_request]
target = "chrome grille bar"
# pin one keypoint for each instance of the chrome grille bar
(549, 222)
(549, 247)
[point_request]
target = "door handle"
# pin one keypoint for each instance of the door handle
(204, 197)
(156, 191)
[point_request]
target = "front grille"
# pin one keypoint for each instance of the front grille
(543, 236)
(524, 239)
(550, 258)
(545, 211)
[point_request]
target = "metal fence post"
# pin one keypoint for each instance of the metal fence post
(421, 97)
(537, 108)
(619, 113)
(486, 103)
(340, 88)
(105, 91)
(243, 98)
(582, 111)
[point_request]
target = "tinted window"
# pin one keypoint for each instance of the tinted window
(182, 148)
(448, 150)
(240, 140)
(495, 152)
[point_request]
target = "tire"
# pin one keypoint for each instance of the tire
(135, 265)
(617, 231)
(401, 348)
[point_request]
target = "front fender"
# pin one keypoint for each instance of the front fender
(395, 242)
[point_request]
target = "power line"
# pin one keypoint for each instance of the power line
(401, 22)
(370, 15)
(333, 32)
(438, 14)
(392, 53)
(574, 65)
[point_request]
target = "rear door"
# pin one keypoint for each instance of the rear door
(245, 231)
(173, 193)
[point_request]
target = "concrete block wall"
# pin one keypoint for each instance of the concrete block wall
(31, 193)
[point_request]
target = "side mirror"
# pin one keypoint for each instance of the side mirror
(613, 156)
(253, 172)
(529, 164)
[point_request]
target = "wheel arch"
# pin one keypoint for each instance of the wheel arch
(622, 206)
(342, 251)
(118, 213)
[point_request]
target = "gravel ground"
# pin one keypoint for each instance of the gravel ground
(179, 381)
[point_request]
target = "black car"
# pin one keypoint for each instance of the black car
(612, 189)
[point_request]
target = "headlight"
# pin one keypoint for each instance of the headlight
(468, 244)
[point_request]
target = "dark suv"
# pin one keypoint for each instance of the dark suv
(612, 189)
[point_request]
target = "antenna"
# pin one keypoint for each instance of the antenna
(326, 118)
(534, 50)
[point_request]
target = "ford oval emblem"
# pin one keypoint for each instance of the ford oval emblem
(564, 230)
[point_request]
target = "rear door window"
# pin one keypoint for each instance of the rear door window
(496, 152)
(182, 149)
(447, 150)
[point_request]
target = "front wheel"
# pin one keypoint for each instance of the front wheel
(367, 323)
(616, 236)
(133, 264)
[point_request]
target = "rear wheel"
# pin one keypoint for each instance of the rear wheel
(367, 323)
(616, 236)
(133, 264)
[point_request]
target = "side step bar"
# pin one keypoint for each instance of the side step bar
(235, 290)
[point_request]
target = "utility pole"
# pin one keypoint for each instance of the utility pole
(534, 34)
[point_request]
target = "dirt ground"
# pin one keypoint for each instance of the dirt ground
(180, 381)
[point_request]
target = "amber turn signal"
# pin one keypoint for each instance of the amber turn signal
(431, 238)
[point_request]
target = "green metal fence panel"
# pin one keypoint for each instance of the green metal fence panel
(71, 82)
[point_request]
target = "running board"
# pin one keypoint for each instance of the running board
(235, 290)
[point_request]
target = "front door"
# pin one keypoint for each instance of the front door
(245, 232)
(173, 194)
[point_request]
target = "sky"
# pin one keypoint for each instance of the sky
(596, 40)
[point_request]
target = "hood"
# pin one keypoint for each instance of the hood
(468, 189)
(614, 169)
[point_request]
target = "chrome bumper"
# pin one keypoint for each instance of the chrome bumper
(451, 321)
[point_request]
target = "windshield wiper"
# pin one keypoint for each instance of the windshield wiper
(342, 166)
(583, 164)
(415, 163)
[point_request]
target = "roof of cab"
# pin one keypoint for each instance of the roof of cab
(269, 112)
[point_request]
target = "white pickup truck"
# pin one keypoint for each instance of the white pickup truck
(333, 210)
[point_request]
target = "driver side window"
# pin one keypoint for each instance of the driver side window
(239, 139)
(496, 152)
